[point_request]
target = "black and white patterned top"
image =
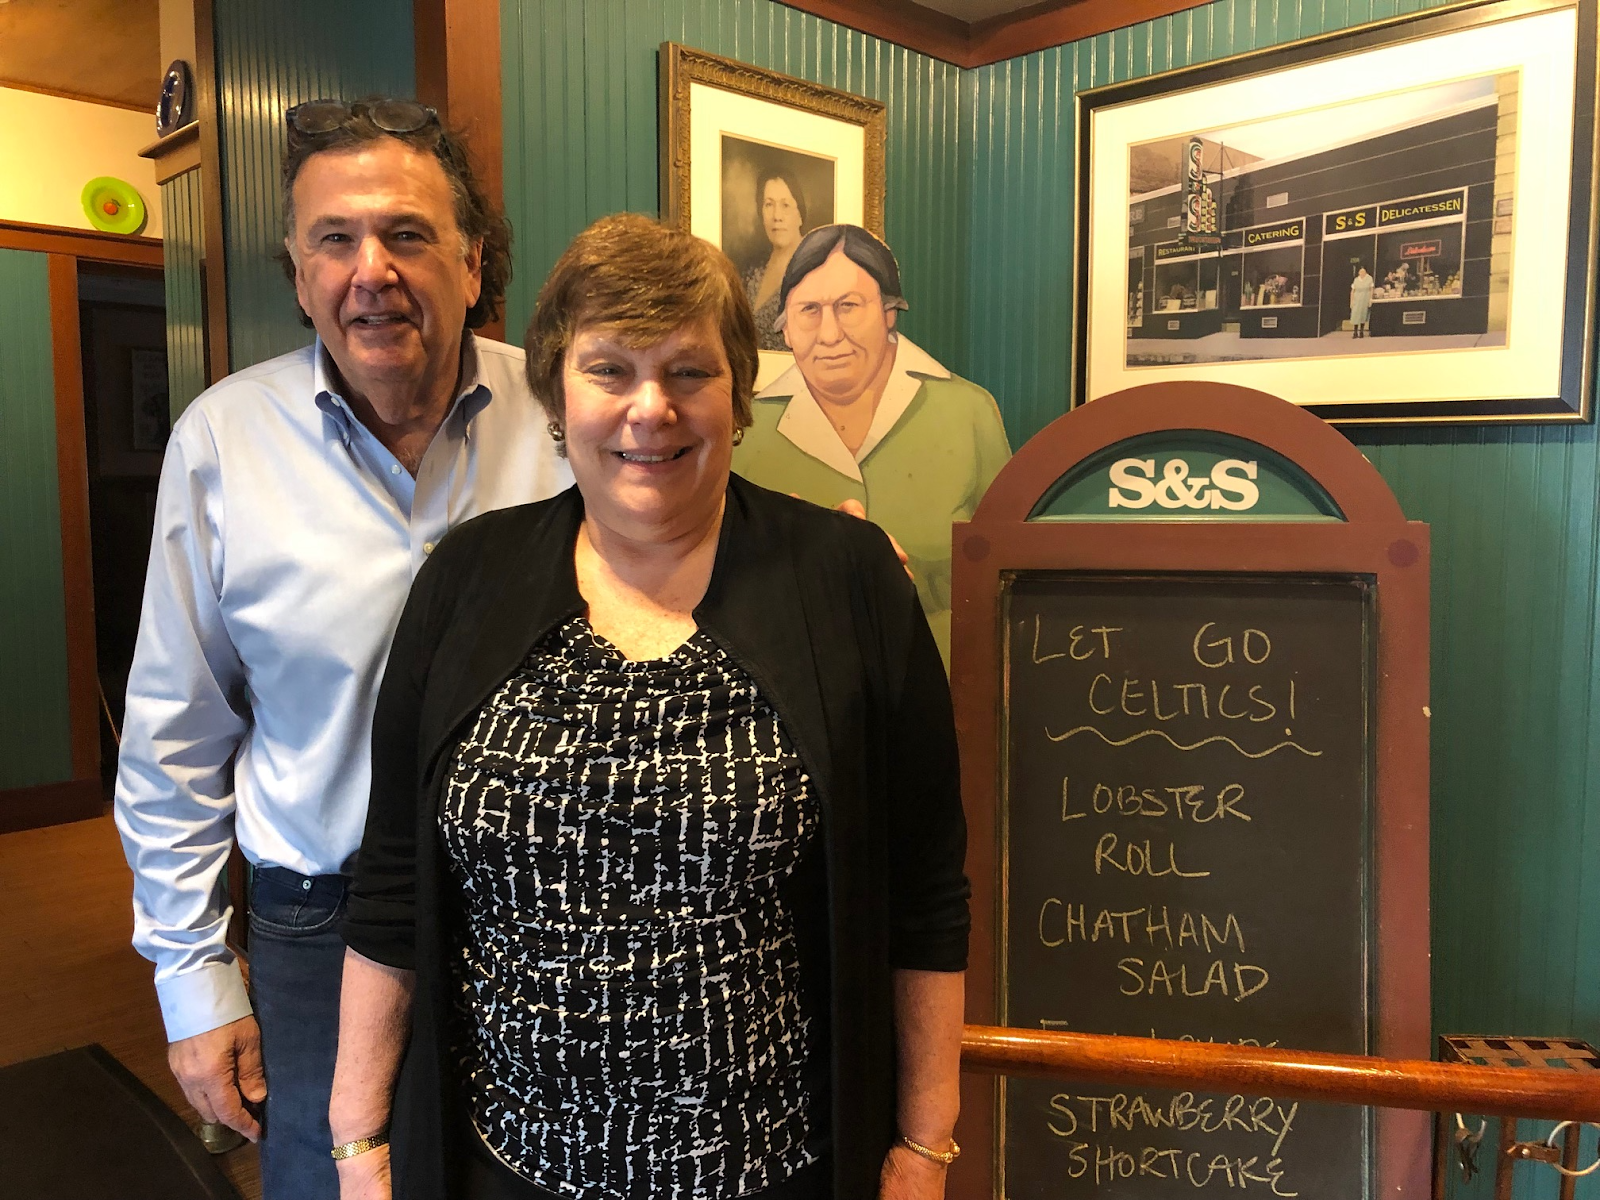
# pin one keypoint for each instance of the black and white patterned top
(621, 833)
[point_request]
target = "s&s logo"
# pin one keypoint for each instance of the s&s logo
(1231, 485)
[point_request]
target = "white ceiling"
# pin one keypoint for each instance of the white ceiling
(976, 10)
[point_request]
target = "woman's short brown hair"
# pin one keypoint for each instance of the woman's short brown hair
(646, 281)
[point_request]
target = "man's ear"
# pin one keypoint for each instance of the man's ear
(299, 274)
(786, 340)
(889, 315)
(474, 261)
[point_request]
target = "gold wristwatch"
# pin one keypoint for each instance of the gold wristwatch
(360, 1146)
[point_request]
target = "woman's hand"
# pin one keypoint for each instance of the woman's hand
(366, 1176)
(907, 1175)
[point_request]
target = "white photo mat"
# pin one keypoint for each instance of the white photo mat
(1542, 48)
(714, 112)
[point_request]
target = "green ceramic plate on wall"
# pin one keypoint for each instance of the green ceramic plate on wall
(113, 205)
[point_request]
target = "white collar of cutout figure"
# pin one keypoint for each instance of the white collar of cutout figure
(807, 426)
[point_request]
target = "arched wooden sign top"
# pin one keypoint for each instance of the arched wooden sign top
(1194, 736)
(1306, 440)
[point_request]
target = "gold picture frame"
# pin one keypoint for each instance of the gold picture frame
(682, 66)
(729, 132)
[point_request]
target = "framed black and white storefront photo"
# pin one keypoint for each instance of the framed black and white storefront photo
(1395, 222)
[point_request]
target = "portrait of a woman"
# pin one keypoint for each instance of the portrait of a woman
(662, 892)
(781, 203)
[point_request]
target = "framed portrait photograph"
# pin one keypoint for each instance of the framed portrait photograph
(1392, 223)
(752, 160)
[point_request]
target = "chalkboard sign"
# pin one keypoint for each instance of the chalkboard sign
(1186, 822)
(1195, 764)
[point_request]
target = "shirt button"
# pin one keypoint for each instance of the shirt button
(427, 547)
(394, 468)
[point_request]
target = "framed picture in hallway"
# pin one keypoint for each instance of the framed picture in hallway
(752, 160)
(1391, 223)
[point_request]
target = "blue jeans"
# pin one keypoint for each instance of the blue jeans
(296, 964)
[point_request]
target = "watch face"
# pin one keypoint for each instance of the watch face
(172, 110)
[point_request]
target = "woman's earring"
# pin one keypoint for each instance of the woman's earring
(557, 433)
(738, 436)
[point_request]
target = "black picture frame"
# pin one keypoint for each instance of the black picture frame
(1463, 273)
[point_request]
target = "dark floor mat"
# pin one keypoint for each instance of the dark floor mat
(79, 1126)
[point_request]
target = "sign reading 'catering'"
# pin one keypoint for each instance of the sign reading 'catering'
(1258, 236)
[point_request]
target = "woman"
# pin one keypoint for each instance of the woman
(782, 205)
(661, 893)
(1360, 301)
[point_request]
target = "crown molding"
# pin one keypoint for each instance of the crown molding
(979, 43)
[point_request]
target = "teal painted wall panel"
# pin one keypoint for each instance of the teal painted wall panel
(183, 241)
(271, 55)
(981, 167)
(1516, 551)
(580, 127)
(35, 729)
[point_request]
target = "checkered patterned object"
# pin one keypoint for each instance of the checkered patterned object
(1568, 1054)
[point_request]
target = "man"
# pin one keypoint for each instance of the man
(298, 499)
(865, 415)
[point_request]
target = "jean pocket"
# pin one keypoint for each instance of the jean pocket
(281, 908)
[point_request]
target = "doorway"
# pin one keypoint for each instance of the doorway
(1341, 259)
(122, 323)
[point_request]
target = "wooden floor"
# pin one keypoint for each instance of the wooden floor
(69, 975)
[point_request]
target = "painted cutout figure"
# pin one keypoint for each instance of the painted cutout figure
(865, 414)
(1360, 301)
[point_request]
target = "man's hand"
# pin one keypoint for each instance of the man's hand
(366, 1176)
(220, 1069)
(856, 509)
(907, 1175)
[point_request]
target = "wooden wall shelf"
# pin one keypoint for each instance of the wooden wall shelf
(176, 153)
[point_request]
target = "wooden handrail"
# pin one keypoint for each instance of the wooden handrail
(1292, 1074)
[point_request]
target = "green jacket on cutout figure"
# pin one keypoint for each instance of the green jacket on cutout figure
(934, 444)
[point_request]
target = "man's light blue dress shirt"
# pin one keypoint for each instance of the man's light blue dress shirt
(286, 539)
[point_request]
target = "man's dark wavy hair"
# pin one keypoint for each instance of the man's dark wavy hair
(477, 216)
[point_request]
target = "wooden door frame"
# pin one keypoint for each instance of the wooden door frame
(80, 797)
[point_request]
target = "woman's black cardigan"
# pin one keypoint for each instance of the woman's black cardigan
(813, 605)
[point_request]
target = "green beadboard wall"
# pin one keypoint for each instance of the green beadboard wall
(35, 745)
(272, 54)
(980, 177)
(580, 130)
(183, 239)
(1515, 526)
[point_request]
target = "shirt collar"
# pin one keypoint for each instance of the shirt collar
(471, 399)
(805, 424)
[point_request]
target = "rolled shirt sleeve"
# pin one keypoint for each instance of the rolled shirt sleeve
(186, 715)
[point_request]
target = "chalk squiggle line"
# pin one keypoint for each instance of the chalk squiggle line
(1061, 737)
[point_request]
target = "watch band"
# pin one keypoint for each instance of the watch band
(360, 1146)
(943, 1157)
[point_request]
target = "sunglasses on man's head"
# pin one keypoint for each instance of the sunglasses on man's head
(392, 116)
